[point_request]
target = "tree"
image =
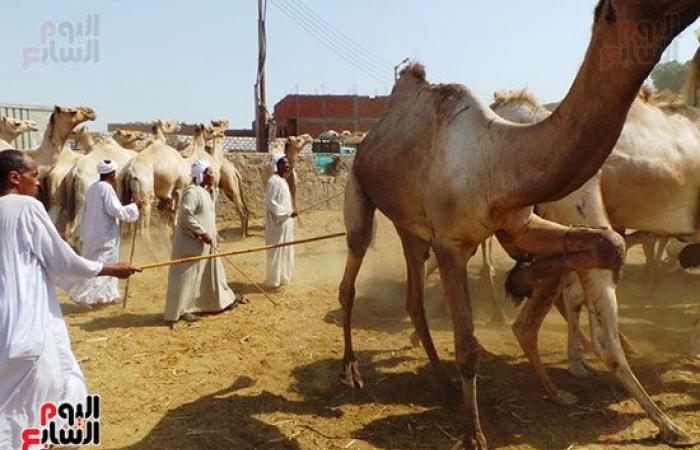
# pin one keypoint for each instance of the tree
(670, 75)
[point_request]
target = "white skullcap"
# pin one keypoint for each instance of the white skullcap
(106, 166)
(198, 169)
(275, 159)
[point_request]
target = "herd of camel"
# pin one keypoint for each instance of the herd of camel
(551, 186)
(148, 168)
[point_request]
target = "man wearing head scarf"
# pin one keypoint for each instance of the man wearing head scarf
(279, 223)
(37, 364)
(99, 235)
(199, 286)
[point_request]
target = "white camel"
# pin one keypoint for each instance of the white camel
(10, 128)
(55, 159)
(230, 179)
(157, 172)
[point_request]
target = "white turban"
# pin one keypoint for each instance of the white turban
(106, 166)
(275, 159)
(198, 169)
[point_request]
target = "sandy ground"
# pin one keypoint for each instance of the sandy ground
(266, 377)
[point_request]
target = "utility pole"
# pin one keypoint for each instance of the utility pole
(261, 115)
(396, 68)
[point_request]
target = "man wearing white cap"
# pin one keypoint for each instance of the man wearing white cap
(279, 223)
(199, 286)
(99, 235)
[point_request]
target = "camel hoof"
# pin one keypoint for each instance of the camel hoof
(350, 376)
(579, 369)
(475, 442)
(565, 398)
(415, 339)
(676, 437)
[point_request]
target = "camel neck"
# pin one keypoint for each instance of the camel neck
(569, 147)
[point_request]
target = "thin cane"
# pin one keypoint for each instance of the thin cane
(131, 260)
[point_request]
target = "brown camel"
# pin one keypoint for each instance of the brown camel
(460, 174)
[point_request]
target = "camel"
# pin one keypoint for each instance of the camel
(10, 128)
(128, 139)
(84, 172)
(658, 152)
(292, 149)
(230, 180)
(55, 160)
(459, 173)
(156, 172)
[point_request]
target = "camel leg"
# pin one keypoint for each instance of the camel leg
(416, 252)
(452, 260)
(359, 214)
(569, 306)
(602, 309)
(573, 300)
(489, 273)
(526, 328)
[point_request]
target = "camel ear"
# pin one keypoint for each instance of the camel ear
(57, 109)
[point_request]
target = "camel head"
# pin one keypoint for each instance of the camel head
(165, 126)
(295, 144)
(12, 127)
(220, 123)
(83, 138)
(127, 138)
(73, 116)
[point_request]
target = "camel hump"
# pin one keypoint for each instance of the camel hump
(415, 70)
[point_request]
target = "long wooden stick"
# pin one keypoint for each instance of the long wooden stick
(131, 260)
(245, 275)
(237, 252)
(316, 205)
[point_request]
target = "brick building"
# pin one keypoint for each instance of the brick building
(314, 114)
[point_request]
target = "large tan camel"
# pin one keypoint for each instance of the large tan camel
(230, 180)
(459, 173)
(157, 172)
(10, 128)
(84, 172)
(55, 159)
(659, 153)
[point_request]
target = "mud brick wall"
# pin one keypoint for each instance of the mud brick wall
(311, 186)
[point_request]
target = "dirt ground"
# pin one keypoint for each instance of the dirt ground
(266, 377)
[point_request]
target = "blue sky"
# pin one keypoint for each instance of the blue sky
(193, 61)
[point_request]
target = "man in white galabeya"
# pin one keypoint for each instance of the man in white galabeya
(279, 223)
(36, 361)
(99, 234)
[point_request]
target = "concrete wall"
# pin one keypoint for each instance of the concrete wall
(311, 186)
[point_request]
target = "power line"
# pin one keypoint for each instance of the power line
(337, 48)
(380, 62)
(328, 32)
